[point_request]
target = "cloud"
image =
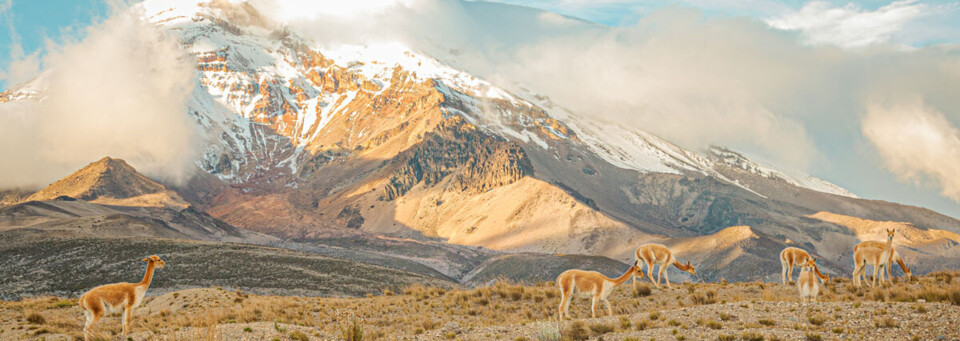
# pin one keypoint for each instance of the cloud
(917, 143)
(823, 23)
(119, 92)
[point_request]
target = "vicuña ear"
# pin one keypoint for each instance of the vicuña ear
(146, 259)
(636, 262)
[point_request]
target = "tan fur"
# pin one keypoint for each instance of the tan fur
(657, 254)
(791, 257)
(117, 296)
(894, 257)
(593, 283)
(807, 282)
(879, 257)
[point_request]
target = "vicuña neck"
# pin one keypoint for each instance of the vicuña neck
(819, 274)
(623, 278)
(148, 277)
(682, 267)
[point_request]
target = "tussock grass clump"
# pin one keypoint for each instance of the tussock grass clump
(576, 331)
(752, 336)
(35, 318)
(352, 331)
(298, 336)
(548, 332)
(642, 290)
(766, 322)
(601, 328)
(817, 320)
(714, 324)
(813, 337)
(885, 323)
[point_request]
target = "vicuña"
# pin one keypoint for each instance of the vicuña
(807, 282)
(117, 296)
(793, 256)
(657, 254)
(591, 283)
(894, 257)
(878, 257)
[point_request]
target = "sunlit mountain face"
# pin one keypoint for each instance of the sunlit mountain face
(304, 138)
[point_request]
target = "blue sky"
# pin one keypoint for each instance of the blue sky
(27, 25)
(30, 23)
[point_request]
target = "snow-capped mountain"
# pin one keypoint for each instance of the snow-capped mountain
(302, 139)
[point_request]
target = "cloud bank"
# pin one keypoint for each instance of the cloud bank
(917, 143)
(119, 92)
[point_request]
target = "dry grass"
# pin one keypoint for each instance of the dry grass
(423, 310)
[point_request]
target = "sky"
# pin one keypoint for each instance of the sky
(862, 94)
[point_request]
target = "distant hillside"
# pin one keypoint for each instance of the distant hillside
(111, 181)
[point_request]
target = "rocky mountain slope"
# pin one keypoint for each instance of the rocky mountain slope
(311, 142)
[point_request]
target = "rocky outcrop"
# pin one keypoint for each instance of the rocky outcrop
(477, 161)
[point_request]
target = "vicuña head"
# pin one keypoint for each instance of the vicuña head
(591, 282)
(160, 263)
(118, 296)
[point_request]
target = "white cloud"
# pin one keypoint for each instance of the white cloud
(823, 23)
(119, 92)
(917, 143)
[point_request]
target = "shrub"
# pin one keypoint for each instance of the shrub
(725, 317)
(766, 322)
(814, 337)
(727, 337)
(548, 332)
(751, 336)
(837, 330)
(654, 316)
(247, 329)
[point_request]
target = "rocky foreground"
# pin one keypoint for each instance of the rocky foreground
(926, 308)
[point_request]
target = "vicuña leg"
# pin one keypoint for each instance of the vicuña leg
(783, 272)
(666, 276)
(650, 274)
(593, 306)
(609, 308)
(127, 311)
(660, 274)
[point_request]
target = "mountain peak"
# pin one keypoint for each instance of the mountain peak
(108, 180)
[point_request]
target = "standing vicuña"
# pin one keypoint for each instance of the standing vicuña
(894, 257)
(807, 282)
(877, 256)
(656, 254)
(793, 256)
(593, 283)
(117, 296)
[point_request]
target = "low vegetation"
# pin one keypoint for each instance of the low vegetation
(734, 311)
